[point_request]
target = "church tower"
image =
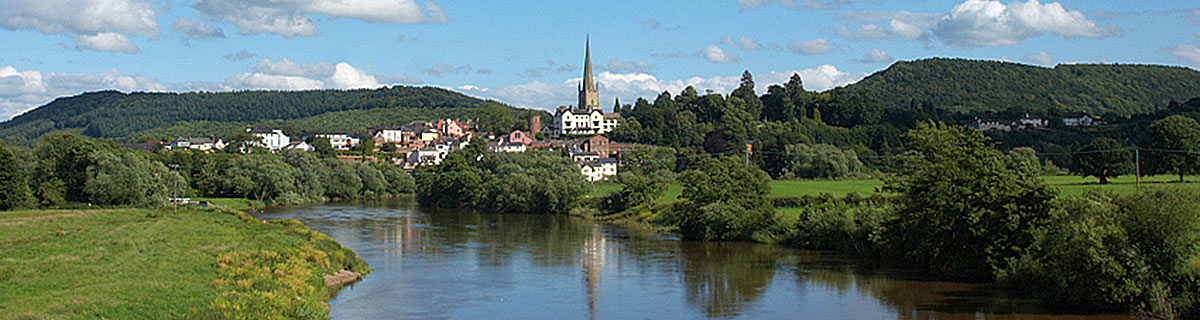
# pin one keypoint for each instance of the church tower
(589, 97)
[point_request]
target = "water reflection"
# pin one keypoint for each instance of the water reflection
(460, 264)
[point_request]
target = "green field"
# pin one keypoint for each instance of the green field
(154, 264)
(1067, 185)
(233, 203)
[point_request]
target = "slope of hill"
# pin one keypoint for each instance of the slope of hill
(972, 86)
(121, 116)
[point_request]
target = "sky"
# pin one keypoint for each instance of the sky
(530, 53)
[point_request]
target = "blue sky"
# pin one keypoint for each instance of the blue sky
(530, 53)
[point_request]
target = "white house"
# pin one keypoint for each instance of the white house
(340, 140)
(272, 139)
(299, 145)
(393, 135)
(509, 147)
(202, 144)
(599, 170)
(1078, 119)
(422, 157)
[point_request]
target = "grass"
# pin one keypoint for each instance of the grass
(154, 264)
(234, 203)
(1067, 186)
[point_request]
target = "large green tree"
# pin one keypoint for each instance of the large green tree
(722, 199)
(1103, 158)
(14, 185)
(1177, 139)
(126, 178)
(960, 211)
(822, 161)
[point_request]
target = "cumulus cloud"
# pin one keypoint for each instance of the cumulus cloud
(811, 4)
(102, 24)
(984, 23)
(1188, 52)
(876, 55)
(1041, 58)
(715, 54)
(105, 41)
(629, 86)
(291, 18)
(24, 90)
(744, 43)
(240, 55)
(196, 30)
(615, 65)
(810, 47)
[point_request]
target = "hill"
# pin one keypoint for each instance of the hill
(129, 116)
(970, 86)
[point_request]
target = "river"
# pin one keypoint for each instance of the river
(460, 264)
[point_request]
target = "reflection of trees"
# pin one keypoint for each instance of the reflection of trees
(721, 278)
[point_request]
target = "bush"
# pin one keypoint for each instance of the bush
(845, 225)
(1138, 252)
(723, 199)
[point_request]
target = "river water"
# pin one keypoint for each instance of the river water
(460, 264)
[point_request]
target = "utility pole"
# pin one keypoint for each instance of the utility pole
(1137, 180)
(175, 189)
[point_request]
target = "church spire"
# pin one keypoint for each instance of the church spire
(589, 97)
(588, 84)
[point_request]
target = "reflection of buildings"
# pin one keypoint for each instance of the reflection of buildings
(592, 261)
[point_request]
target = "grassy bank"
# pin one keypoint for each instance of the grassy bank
(154, 264)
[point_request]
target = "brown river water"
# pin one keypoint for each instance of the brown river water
(458, 264)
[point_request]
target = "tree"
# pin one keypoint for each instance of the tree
(14, 186)
(822, 161)
(1024, 159)
(241, 141)
(1178, 141)
(125, 178)
(745, 91)
(322, 146)
(640, 190)
(959, 210)
(388, 149)
(64, 157)
(722, 199)
(312, 176)
(1103, 158)
(366, 144)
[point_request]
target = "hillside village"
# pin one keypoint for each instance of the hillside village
(577, 131)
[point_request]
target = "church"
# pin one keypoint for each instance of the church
(586, 117)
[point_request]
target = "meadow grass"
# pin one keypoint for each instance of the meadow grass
(1067, 186)
(154, 264)
(234, 203)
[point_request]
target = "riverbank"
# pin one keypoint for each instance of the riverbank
(156, 264)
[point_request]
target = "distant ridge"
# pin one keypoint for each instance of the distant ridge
(122, 116)
(977, 85)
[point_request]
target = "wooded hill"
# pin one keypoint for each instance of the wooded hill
(970, 86)
(126, 117)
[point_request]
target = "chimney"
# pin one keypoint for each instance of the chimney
(535, 124)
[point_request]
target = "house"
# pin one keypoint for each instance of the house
(1078, 119)
(427, 134)
(340, 140)
(299, 145)
(390, 134)
(599, 170)
(272, 139)
(422, 157)
(988, 124)
(580, 157)
(598, 144)
(1027, 121)
(517, 137)
(203, 144)
(508, 147)
(451, 128)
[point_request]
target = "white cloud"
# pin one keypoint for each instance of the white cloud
(103, 23)
(715, 54)
(285, 67)
(290, 18)
(615, 65)
(23, 90)
(984, 23)
(810, 47)
(1188, 52)
(876, 55)
(811, 4)
(105, 41)
(1041, 58)
(629, 86)
(196, 30)
(744, 43)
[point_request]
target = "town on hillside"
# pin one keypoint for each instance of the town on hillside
(578, 130)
